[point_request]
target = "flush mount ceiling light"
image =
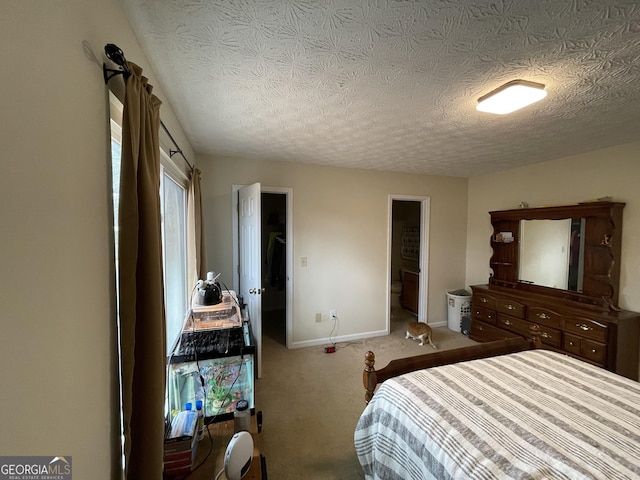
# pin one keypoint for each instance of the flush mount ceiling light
(511, 97)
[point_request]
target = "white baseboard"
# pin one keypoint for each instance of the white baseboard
(350, 338)
(342, 338)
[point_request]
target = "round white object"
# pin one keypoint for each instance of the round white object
(237, 458)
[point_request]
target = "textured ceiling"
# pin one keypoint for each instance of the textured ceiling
(393, 84)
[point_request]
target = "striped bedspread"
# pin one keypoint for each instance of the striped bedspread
(530, 415)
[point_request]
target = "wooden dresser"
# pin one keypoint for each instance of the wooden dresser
(609, 339)
(566, 283)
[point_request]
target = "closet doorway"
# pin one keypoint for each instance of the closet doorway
(274, 265)
(408, 256)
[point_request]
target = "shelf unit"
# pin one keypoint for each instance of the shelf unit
(601, 252)
(219, 370)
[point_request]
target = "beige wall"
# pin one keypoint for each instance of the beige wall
(340, 224)
(57, 394)
(610, 172)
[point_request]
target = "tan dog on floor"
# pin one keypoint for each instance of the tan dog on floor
(419, 331)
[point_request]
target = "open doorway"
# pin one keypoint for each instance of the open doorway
(250, 261)
(274, 266)
(408, 259)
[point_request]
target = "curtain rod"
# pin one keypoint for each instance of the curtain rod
(179, 150)
(115, 54)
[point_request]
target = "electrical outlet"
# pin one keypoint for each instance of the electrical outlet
(318, 317)
(333, 314)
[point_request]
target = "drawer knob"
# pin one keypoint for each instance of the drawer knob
(584, 327)
(507, 322)
(484, 300)
(571, 344)
(593, 350)
(545, 335)
(543, 316)
(510, 307)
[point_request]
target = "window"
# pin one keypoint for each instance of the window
(173, 205)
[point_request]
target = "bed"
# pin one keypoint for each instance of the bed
(506, 411)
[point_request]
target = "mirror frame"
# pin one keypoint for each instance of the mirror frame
(602, 246)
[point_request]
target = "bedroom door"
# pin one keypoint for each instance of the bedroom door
(250, 271)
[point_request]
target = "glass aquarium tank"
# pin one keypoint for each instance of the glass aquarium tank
(215, 366)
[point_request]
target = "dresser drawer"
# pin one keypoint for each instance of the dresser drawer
(594, 351)
(484, 314)
(586, 328)
(516, 325)
(510, 307)
(544, 316)
(550, 336)
(483, 332)
(482, 300)
(571, 344)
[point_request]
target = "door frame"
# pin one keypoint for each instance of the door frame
(423, 284)
(288, 192)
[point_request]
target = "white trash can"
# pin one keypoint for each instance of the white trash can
(459, 305)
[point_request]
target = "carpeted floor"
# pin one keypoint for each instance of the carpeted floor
(311, 401)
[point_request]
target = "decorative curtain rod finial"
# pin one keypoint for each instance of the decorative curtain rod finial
(115, 54)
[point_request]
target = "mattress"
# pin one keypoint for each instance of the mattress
(530, 415)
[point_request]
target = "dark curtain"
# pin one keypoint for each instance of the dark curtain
(142, 318)
(201, 254)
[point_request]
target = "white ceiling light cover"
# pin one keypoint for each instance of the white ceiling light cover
(511, 96)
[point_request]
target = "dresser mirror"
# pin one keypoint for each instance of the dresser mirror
(551, 253)
(569, 251)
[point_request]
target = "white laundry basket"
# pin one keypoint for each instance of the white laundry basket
(459, 305)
